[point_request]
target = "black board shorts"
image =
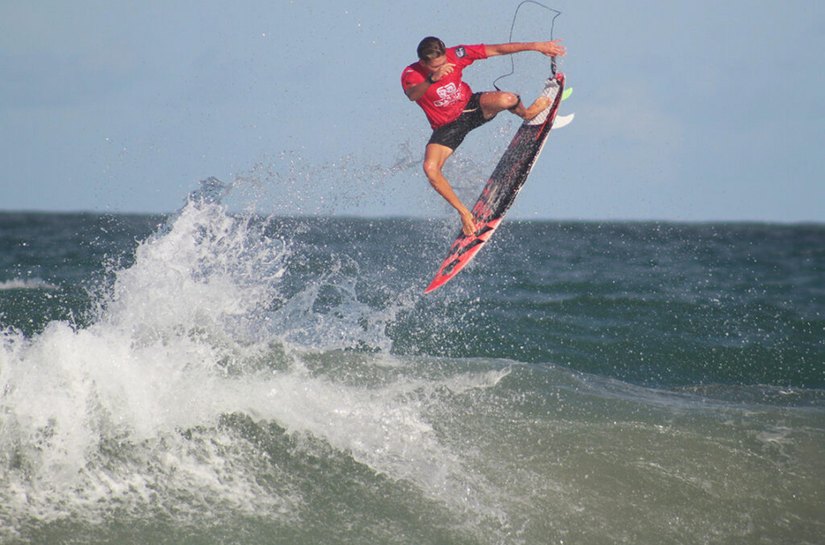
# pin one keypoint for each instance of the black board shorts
(452, 134)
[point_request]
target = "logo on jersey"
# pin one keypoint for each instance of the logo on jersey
(449, 93)
(460, 52)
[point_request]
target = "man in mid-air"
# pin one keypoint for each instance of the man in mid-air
(453, 110)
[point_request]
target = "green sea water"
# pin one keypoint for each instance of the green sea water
(221, 378)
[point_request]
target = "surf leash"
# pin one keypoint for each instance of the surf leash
(556, 14)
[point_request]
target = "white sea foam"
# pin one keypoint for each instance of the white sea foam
(152, 365)
(26, 284)
(129, 408)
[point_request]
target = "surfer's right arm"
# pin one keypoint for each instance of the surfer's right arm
(414, 92)
(439, 70)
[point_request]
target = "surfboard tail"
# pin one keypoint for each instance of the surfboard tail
(552, 87)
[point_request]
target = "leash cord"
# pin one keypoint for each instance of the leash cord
(513, 26)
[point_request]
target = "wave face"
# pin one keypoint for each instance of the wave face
(230, 378)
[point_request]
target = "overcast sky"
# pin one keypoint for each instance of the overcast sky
(686, 111)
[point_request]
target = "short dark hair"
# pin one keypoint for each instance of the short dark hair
(430, 48)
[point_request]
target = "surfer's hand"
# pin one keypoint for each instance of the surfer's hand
(468, 223)
(552, 48)
(441, 71)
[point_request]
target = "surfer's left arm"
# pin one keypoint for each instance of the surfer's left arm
(552, 48)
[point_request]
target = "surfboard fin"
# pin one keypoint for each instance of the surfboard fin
(563, 120)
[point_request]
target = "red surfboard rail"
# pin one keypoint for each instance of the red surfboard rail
(503, 185)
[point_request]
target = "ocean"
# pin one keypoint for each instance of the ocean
(214, 377)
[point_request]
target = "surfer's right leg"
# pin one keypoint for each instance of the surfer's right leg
(435, 155)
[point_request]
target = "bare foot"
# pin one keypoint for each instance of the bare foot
(536, 108)
(468, 224)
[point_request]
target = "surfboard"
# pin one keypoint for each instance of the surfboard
(503, 185)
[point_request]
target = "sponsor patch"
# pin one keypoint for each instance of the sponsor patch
(459, 52)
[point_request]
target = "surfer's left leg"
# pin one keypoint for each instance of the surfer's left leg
(493, 102)
(535, 108)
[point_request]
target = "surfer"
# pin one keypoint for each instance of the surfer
(453, 110)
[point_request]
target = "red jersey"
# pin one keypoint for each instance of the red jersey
(445, 99)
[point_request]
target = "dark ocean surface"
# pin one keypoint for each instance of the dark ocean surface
(216, 378)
